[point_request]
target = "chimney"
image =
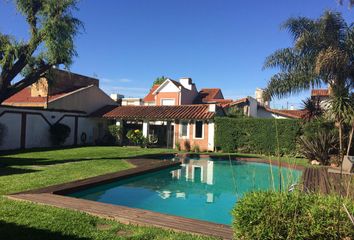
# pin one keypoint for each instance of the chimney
(259, 97)
(186, 83)
(212, 107)
(117, 97)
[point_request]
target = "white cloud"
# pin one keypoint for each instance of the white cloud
(112, 80)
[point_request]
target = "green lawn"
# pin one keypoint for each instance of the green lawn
(32, 169)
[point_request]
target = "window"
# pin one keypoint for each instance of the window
(184, 129)
(167, 102)
(198, 133)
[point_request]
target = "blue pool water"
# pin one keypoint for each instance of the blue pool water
(201, 188)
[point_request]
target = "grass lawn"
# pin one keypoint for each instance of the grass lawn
(32, 169)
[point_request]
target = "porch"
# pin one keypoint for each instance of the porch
(189, 126)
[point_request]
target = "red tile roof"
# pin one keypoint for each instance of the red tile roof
(196, 111)
(209, 95)
(287, 113)
(320, 92)
(150, 97)
(24, 97)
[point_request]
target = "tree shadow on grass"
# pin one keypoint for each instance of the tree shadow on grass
(9, 161)
(12, 231)
(5, 171)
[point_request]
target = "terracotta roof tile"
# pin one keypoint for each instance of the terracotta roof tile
(320, 92)
(24, 96)
(196, 111)
(207, 95)
(287, 113)
(150, 97)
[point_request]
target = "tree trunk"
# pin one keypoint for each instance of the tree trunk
(6, 92)
(350, 140)
(340, 142)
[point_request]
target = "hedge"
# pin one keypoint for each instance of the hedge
(255, 135)
(295, 215)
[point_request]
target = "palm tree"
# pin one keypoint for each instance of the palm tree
(339, 108)
(322, 53)
(312, 109)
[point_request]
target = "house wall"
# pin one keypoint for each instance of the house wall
(167, 95)
(29, 128)
(188, 96)
(202, 143)
(87, 100)
(262, 113)
(63, 81)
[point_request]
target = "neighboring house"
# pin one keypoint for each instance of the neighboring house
(182, 124)
(132, 102)
(66, 91)
(184, 92)
(68, 98)
(319, 94)
(258, 108)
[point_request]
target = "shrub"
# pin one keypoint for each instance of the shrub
(318, 125)
(136, 137)
(59, 133)
(178, 145)
(318, 146)
(196, 148)
(117, 133)
(2, 133)
(276, 215)
(187, 146)
(255, 135)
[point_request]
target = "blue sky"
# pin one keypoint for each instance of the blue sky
(218, 43)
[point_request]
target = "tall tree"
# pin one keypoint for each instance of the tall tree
(52, 29)
(322, 53)
(159, 80)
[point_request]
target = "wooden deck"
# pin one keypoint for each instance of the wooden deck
(130, 215)
(319, 180)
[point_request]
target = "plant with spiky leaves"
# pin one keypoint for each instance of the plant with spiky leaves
(323, 53)
(312, 109)
(51, 42)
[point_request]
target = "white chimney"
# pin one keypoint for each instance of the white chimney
(186, 83)
(116, 96)
(259, 97)
(212, 107)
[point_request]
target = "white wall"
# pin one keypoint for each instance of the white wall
(88, 100)
(188, 96)
(253, 107)
(37, 125)
(169, 87)
(262, 113)
(12, 136)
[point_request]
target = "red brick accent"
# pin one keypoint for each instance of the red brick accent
(202, 143)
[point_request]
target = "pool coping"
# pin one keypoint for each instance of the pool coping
(53, 196)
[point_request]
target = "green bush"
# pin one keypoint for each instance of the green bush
(196, 148)
(318, 125)
(318, 146)
(136, 137)
(187, 146)
(178, 145)
(255, 135)
(275, 215)
(59, 133)
(117, 133)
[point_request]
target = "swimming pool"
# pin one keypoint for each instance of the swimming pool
(203, 189)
